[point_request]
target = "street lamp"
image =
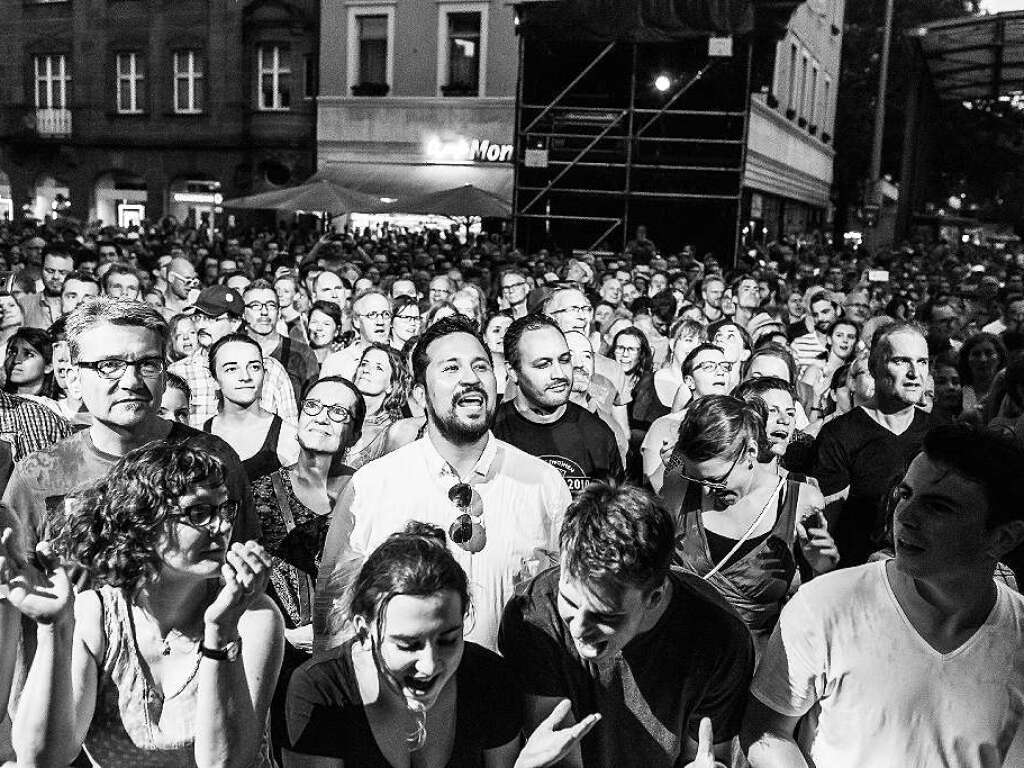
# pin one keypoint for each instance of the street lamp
(662, 83)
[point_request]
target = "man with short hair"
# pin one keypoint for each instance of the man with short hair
(261, 315)
(514, 291)
(441, 289)
(216, 313)
(613, 628)
(911, 660)
(748, 299)
(500, 507)
(328, 286)
(858, 452)
(541, 420)
(599, 402)
(823, 308)
(78, 286)
(122, 282)
(403, 286)
(371, 319)
(611, 290)
(42, 310)
(108, 252)
(182, 284)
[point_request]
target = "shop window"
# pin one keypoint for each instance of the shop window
(274, 78)
(188, 82)
(130, 77)
(370, 49)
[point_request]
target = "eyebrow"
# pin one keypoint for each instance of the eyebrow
(415, 638)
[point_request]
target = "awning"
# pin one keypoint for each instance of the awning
(404, 180)
(978, 57)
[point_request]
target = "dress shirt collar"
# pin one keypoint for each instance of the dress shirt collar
(439, 466)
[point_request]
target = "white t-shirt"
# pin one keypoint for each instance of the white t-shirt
(886, 697)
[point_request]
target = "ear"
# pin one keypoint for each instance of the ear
(654, 597)
(512, 375)
(689, 381)
(361, 627)
(1005, 538)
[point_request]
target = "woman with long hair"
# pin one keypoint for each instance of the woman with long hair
(685, 335)
(384, 381)
(982, 356)
(172, 657)
(407, 689)
(738, 518)
(494, 336)
(263, 440)
(841, 343)
(28, 367)
(324, 329)
(183, 338)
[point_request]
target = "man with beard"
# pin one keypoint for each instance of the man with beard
(371, 319)
(859, 452)
(500, 507)
(823, 308)
(541, 420)
(218, 312)
(42, 310)
(261, 315)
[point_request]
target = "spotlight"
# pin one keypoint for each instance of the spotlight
(662, 83)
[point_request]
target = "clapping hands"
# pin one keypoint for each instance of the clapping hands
(40, 590)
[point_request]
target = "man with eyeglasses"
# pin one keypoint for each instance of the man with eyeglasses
(441, 289)
(261, 323)
(541, 420)
(182, 286)
(514, 292)
(42, 310)
(500, 506)
(371, 318)
(216, 313)
(858, 452)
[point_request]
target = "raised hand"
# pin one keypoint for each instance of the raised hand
(245, 574)
(705, 747)
(42, 590)
(818, 547)
(548, 744)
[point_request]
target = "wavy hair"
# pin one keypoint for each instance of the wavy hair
(401, 378)
(111, 526)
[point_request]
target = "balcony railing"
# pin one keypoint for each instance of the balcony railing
(53, 122)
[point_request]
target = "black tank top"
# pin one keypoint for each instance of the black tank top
(265, 460)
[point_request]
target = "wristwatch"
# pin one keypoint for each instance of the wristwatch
(229, 652)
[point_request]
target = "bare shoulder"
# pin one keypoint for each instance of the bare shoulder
(89, 623)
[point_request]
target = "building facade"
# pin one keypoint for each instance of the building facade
(417, 95)
(790, 147)
(120, 110)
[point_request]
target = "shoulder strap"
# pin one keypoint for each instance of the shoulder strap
(746, 533)
(283, 503)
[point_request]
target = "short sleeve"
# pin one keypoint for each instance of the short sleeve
(830, 467)
(533, 655)
(790, 676)
(499, 712)
(725, 698)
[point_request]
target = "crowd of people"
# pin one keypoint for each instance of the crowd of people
(409, 499)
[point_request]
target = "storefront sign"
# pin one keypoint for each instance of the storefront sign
(462, 150)
(214, 198)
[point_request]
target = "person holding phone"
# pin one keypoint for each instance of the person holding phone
(739, 520)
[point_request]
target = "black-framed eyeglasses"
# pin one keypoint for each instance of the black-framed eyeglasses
(512, 286)
(714, 365)
(201, 515)
(579, 309)
(115, 367)
(408, 318)
(339, 414)
(467, 530)
(720, 484)
(259, 306)
(375, 316)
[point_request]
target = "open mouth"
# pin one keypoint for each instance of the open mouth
(471, 400)
(419, 687)
(590, 650)
(780, 434)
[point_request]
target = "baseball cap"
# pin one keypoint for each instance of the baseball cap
(35, 242)
(217, 300)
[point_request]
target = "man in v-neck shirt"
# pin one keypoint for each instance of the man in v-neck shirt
(914, 660)
(859, 454)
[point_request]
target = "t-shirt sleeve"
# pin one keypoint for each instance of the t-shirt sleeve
(830, 466)
(311, 714)
(532, 653)
(499, 714)
(725, 698)
(791, 674)
(23, 508)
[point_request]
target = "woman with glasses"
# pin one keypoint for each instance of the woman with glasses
(738, 519)
(405, 323)
(294, 507)
(383, 380)
(324, 329)
(172, 657)
(407, 689)
(633, 352)
(263, 440)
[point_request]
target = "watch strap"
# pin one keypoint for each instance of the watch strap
(229, 652)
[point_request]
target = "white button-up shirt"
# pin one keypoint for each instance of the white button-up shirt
(523, 498)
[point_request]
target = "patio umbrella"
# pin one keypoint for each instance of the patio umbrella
(320, 195)
(463, 201)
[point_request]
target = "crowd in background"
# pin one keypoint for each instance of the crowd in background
(393, 498)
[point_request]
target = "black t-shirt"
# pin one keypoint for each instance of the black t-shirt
(579, 445)
(855, 450)
(326, 716)
(697, 661)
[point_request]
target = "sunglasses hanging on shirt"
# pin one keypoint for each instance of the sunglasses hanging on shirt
(467, 530)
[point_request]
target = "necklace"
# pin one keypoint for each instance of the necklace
(168, 648)
(418, 737)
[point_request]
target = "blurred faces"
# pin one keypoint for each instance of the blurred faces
(514, 289)
(285, 290)
(544, 375)
(713, 291)
(949, 391)
(74, 293)
(55, 268)
(1014, 318)
(748, 295)
(184, 338)
(239, 371)
(683, 345)
(768, 365)
(261, 311)
(406, 323)
(627, 351)
(460, 388)
(440, 289)
(12, 316)
(729, 338)
(571, 310)
(795, 306)
(611, 291)
(983, 360)
(581, 356)
(404, 288)
(372, 318)
(182, 279)
(330, 288)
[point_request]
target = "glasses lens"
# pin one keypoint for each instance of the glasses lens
(339, 414)
(461, 530)
(201, 515)
(312, 407)
(151, 367)
(461, 495)
(112, 369)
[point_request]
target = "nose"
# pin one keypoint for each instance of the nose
(132, 378)
(426, 660)
(579, 627)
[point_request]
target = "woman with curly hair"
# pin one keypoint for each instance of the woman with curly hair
(148, 669)
(384, 381)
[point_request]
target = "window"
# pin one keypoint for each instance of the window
(371, 48)
(129, 83)
(803, 87)
(791, 102)
(826, 106)
(274, 77)
(464, 53)
(310, 77)
(188, 82)
(814, 96)
(52, 78)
